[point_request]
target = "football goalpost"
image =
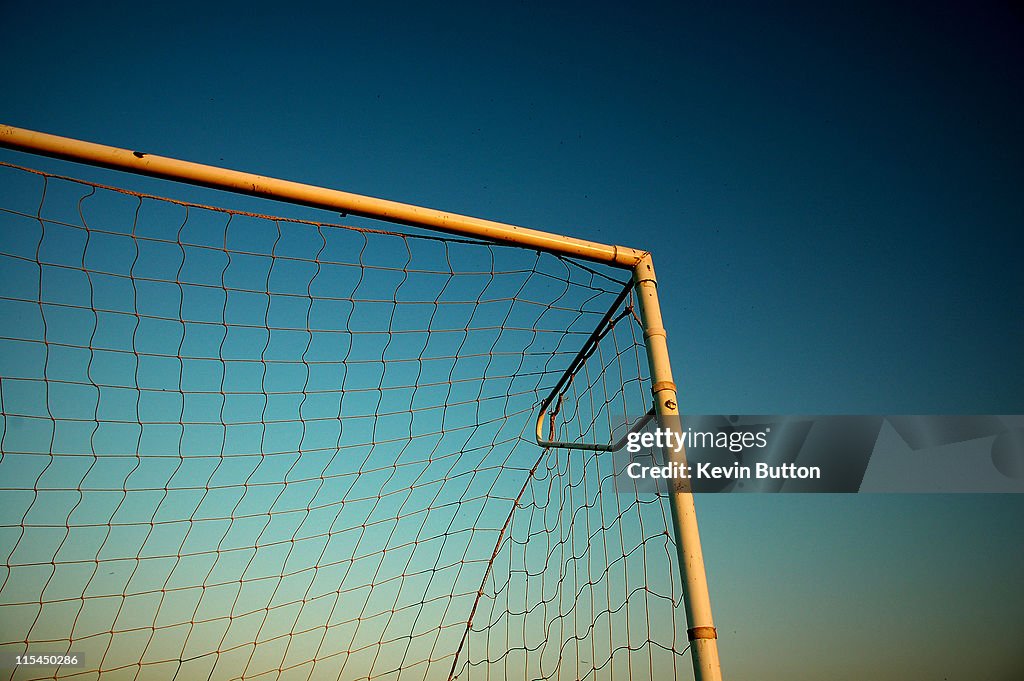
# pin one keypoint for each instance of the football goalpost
(244, 445)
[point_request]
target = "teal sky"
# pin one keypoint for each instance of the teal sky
(831, 195)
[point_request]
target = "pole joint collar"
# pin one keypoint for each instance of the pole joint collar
(701, 632)
(662, 385)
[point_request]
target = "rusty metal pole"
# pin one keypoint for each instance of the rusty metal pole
(697, 603)
(143, 163)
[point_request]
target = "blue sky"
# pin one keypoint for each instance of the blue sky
(831, 195)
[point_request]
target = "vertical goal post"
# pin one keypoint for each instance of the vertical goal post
(701, 631)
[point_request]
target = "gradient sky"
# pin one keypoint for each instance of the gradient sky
(832, 198)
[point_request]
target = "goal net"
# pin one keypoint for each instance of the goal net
(240, 446)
